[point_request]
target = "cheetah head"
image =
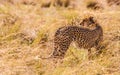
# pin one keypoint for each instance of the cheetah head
(88, 22)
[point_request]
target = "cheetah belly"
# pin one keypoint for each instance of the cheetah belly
(85, 43)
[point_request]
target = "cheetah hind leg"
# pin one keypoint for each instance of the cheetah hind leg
(91, 55)
(60, 50)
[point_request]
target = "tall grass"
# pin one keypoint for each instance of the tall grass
(21, 23)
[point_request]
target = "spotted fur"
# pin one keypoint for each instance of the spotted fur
(84, 37)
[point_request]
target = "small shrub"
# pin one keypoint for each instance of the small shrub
(56, 3)
(94, 5)
(41, 38)
(113, 2)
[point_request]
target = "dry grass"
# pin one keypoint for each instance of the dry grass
(26, 32)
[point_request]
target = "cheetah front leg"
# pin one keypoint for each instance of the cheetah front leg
(82, 45)
(98, 47)
(89, 54)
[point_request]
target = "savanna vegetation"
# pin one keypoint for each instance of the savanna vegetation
(27, 28)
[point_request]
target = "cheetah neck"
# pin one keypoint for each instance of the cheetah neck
(98, 29)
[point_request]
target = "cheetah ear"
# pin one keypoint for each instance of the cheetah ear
(82, 22)
(91, 18)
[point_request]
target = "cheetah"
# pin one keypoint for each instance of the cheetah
(84, 37)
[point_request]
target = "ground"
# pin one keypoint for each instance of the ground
(27, 30)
